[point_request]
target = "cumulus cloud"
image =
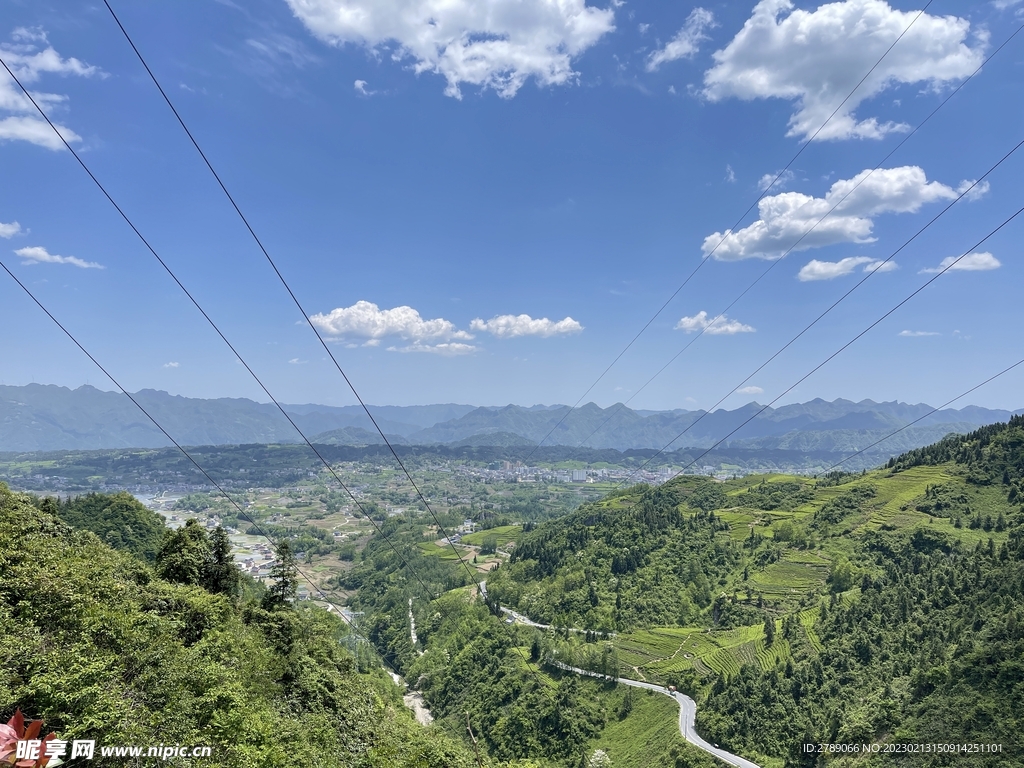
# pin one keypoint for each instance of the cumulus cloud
(7, 231)
(829, 270)
(750, 391)
(972, 262)
(172, 365)
(497, 44)
(787, 216)
(510, 326)
(687, 41)
(365, 320)
(719, 325)
(816, 58)
(38, 255)
(914, 334)
(29, 55)
(360, 86)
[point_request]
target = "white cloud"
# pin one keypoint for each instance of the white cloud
(7, 231)
(510, 326)
(447, 349)
(297, 361)
(972, 262)
(496, 44)
(829, 270)
(977, 189)
(816, 58)
(27, 57)
(687, 41)
(37, 255)
(365, 320)
(750, 391)
(779, 180)
(360, 86)
(719, 325)
(914, 334)
(172, 365)
(787, 216)
(730, 174)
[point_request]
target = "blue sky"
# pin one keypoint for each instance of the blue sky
(483, 202)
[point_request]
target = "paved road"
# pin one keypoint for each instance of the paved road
(687, 715)
(687, 706)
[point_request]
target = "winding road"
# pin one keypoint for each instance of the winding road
(687, 706)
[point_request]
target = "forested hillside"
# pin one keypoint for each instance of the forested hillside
(100, 647)
(881, 607)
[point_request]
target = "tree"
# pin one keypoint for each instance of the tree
(841, 578)
(285, 577)
(222, 575)
(769, 630)
(489, 545)
(184, 556)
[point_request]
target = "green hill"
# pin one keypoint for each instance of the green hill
(882, 607)
(100, 648)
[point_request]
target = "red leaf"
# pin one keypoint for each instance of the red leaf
(17, 722)
(42, 751)
(33, 729)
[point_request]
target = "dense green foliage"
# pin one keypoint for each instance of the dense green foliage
(119, 519)
(930, 651)
(100, 647)
(611, 566)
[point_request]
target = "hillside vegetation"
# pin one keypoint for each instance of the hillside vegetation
(100, 647)
(878, 607)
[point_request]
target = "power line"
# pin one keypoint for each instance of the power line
(922, 418)
(305, 315)
(820, 365)
(238, 356)
(729, 231)
(287, 416)
(802, 237)
(218, 486)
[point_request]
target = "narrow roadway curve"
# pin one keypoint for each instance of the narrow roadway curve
(687, 706)
(687, 714)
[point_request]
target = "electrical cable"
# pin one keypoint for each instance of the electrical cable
(214, 483)
(730, 231)
(301, 309)
(238, 356)
(807, 232)
(820, 365)
(921, 418)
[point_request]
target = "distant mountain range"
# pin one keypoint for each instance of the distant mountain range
(45, 417)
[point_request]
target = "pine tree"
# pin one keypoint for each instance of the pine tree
(222, 575)
(769, 631)
(285, 578)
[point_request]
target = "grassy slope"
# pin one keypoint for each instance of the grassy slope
(648, 737)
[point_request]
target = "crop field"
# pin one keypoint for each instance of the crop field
(503, 534)
(664, 650)
(445, 552)
(789, 578)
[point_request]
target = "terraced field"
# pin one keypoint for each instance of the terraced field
(658, 652)
(787, 578)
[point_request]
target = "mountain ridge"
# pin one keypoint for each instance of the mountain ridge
(39, 417)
